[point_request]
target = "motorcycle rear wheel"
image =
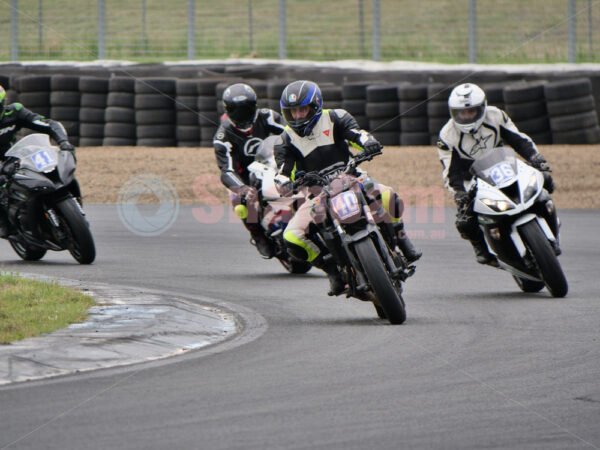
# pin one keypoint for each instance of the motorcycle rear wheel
(27, 252)
(81, 246)
(545, 258)
(389, 300)
(529, 285)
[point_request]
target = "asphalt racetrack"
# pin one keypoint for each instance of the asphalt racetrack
(478, 364)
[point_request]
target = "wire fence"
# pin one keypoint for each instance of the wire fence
(448, 31)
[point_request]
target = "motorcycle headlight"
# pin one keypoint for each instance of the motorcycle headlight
(497, 205)
(531, 189)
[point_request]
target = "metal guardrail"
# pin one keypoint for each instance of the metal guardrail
(454, 31)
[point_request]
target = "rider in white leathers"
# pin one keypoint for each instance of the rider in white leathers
(473, 130)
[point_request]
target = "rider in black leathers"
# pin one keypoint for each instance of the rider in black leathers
(242, 129)
(14, 117)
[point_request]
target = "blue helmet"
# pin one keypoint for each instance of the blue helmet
(301, 93)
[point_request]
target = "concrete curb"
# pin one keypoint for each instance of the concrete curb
(127, 326)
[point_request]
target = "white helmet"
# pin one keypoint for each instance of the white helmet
(467, 104)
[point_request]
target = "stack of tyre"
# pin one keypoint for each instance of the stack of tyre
(208, 116)
(10, 86)
(382, 112)
(119, 116)
(526, 106)
(354, 98)
(260, 87)
(187, 129)
(414, 123)
(155, 112)
(65, 100)
(494, 94)
(94, 94)
(437, 108)
(572, 111)
(34, 93)
(274, 90)
(332, 96)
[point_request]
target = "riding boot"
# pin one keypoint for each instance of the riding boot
(327, 264)
(260, 241)
(405, 245)
(482, 254)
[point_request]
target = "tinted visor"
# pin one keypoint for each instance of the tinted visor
(466, 116)
(241, 114)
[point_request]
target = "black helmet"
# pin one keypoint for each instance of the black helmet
(301, 93)
(239, 101)
(2, 101)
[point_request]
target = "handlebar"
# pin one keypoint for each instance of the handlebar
(321, 177)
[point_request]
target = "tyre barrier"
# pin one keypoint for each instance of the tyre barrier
(187, 131)
(525, 103)
(94, 94)
(158, 111)
(412, 109)
(208, 116)
(354, 96)
(155, 112)
(437, 109)
(65, 102)
(572, 111)
(382, 113)
(119, 116)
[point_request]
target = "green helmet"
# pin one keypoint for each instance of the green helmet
(2, 101)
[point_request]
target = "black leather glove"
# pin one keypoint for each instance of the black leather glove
(462, 199)
(548, 183)
(372, 146)
(539, 162)
(66, 146)
(247, 194)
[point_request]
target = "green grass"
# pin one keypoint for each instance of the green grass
(29, 308)
(508, 31)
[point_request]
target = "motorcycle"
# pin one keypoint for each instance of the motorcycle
(519, 220)
(43, 202)
(274, 210)
(354, 229)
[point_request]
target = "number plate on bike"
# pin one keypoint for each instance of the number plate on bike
(43, 161)
(501, 172)
(345, 205)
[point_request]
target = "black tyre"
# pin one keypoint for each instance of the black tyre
(295, 265)
(545, 259)
(81, 242)
(389, 300)
(380, 312)
(529, 285)
(27, 252)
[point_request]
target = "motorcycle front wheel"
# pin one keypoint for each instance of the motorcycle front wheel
(81, 245)
(390, 301)
(545, 258)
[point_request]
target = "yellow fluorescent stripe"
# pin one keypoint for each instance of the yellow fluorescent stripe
(311, 250)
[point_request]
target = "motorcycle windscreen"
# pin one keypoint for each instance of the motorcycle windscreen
(35, 153)
(498, 167)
